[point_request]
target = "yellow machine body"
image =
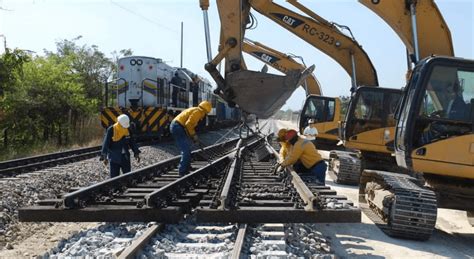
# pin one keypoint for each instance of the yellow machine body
(440, 160)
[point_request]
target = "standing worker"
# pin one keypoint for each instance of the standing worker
(304, 155)
(183, 129)
(310, 132)
(117, 141)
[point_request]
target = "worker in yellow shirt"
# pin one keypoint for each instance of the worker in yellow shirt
(183, 129)
(284, 145)
(304, 156)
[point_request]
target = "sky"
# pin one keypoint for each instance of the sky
(152, 28)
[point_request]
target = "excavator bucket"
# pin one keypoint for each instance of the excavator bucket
(264, 94)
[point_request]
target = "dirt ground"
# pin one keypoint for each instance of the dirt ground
(452, 238)
(44, 236)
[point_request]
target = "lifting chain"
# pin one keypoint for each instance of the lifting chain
(244, 126)
(257, 126)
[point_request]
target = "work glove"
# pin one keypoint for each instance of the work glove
(278, 168)
(137, 157)
(195, 139)
(104, 159)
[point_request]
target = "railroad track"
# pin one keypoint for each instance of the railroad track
(196, 240)
(14, 167)
(231, 182)
(153, 193)
(251, 192)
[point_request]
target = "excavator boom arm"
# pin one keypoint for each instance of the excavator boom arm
(254, 92)
(329, 39)
(434, 35)
(280, 62)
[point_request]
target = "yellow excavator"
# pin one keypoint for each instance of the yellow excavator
(239, 85)
(434, 128)
(245, 87)
(368, 137)
(435, 113)
(326, 110)
(323, 35)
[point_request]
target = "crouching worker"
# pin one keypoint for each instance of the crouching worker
(183, 129)
(284, 145)
(115, 147)
(304, 157)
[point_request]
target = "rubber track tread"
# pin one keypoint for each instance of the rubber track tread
(414, 209)
(348, 171)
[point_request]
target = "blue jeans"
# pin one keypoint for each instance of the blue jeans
(115, 168)
(184, 144)
(319, 171)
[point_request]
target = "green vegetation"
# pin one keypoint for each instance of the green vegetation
(52, 101)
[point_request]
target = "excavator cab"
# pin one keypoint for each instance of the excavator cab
(326, 113)
(437, 113)
(370, 119)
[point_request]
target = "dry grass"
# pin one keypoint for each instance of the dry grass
(90, 135)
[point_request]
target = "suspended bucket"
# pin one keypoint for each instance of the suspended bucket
(264, 94)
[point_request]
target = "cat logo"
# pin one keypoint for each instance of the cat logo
(267, 58)
(288, 20)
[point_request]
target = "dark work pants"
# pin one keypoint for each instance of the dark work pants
(318, 170)
(184, 144)
(115, 167)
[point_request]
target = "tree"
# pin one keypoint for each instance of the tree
(47, 93)
(53, 95)
(344, 104)
(10, 67)
(90, 64)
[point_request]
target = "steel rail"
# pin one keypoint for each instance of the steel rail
(304, 192)
(74, 199)
(137, 245)
(165, 193)
(239, 242)
(18, 166)
(230, 176)
(40, 158)
(39, 162)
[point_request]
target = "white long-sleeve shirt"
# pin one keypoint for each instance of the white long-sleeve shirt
(310, 132)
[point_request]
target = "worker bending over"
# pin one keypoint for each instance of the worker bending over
(115, 147)
(304, 157)
(183, 129)
(284, 145)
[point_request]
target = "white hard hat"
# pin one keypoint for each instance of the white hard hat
(311, 120)
(124, 121)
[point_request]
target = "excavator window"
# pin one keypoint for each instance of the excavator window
(321, 109)
(446, 107)
(374, 108)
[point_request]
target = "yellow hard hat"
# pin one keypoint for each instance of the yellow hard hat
(281, 134)
(206, 106)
